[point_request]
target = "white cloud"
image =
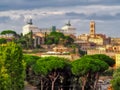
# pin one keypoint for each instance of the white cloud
(56, 16)
(41, 13)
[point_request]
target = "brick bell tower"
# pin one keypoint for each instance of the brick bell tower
(92, 29)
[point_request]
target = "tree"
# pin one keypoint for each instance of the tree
(103, 57)
(31, 39)
(3, 41)
(116, 80)
(50, 67)
(88, 70)
(68, 40)
(12, 67)
(9, 32)
(4, 77)
(30, 60)
(53, 37)
(58, 38)
(26, 41)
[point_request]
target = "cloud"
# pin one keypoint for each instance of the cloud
(80, 15)
(33, 4)
(96, 12)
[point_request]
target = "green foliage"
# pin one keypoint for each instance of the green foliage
(3, 41)
(67, 41)
(88, 69)
(83, 66)
(116, 80)
(108, 72)
(58, 38)
(93, 62)
(30, 60)
(102, 57)
(8, 32)
(22, 42)
(53, 38)
(26, 41)
(57, 34)
(47, 64)
(11, 67)
(50, 68)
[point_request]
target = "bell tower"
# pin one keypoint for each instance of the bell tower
(92, 29)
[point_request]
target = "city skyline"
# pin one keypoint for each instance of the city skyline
(45, 14)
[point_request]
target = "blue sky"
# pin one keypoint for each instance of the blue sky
(47, 13)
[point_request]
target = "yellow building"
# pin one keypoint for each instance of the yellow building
(115, 41)
(61, 49)
(92, 29)
(83, 37)
(117, 57)
(98, 39)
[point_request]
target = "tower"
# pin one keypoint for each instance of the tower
(92, 29)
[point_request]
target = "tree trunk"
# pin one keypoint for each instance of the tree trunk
(53, 82)
(84, 80)
(83, 87)
(96, 80)
(53, 78)
(83, 83)
(41, 84)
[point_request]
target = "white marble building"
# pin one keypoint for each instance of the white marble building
(68, 29)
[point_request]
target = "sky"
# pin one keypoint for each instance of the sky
(47, 13)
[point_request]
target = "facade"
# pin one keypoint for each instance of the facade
(113, 48)
(38, 39)
(29, 27)
(38, 36)
(117, 57)
(68, 29)
(83, 37)
(85, 45)
(115, 41)
(61, 49)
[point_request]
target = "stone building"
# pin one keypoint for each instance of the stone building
(29, 27)
(115, 41)
(85, 45)
(38, 36)
(98, 39)
(68, 29)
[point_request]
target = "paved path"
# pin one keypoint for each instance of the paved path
(29, 87)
